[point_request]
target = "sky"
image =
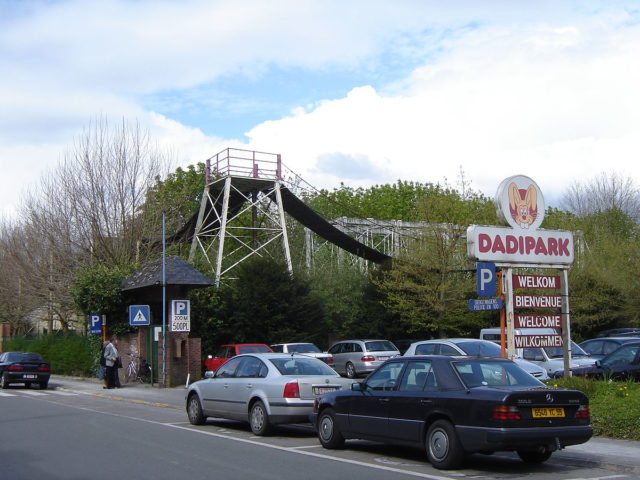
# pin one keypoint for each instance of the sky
(359, 92)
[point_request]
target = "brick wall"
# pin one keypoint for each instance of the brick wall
(183, 359)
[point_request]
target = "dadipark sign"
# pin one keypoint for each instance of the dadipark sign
(520, 203)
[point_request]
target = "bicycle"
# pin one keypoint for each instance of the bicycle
(140, 374)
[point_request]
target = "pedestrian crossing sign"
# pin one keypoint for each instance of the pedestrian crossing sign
(139, 315)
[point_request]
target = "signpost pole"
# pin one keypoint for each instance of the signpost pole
(566, 326)
(507, 283)
(502, 314)
(164, 307)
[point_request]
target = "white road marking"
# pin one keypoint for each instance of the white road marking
(2, 394)
(608, 477)
(64, 394)
(35, 394)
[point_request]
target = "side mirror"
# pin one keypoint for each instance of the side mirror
(209, 374)
(358, 387)
(598, 364)
(209, 356)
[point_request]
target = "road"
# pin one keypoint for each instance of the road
(78, 431)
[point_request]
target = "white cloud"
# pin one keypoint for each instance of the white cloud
(547, 89)
(555, 103)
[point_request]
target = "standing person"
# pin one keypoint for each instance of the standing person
(116, 371)
(110, 358)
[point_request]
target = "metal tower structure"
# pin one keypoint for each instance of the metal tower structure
(241, 213)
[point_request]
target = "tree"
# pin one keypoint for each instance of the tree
(86, 211)
(429, 285)
(601, 193)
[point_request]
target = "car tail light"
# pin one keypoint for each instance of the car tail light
(329, 360)
(291, 390)
(583, 411)
(504, 412)
(44, 369)
(15, 368)
(368, 358)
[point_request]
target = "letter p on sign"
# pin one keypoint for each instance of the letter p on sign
(486, 279)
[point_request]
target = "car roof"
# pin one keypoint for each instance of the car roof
(242, 344)
(452, 340)
(275, 355)
(623, 339)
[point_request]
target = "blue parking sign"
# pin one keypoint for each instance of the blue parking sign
(486, 279)
(95, 323)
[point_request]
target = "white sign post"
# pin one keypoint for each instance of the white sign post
(180, 316)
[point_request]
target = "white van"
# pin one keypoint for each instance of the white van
(550, 358)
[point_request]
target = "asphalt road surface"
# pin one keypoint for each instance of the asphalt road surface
(76, 433)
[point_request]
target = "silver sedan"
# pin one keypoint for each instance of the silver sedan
(263, 389)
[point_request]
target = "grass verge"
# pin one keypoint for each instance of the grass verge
(615, 406)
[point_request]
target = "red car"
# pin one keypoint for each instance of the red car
(225, 352)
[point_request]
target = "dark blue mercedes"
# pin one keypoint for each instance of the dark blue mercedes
(451, 406)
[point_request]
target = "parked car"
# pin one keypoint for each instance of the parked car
(451, 406)
(263, 389)
(225, 352)
(471, 347)
(305, 348)
(358, 357)
(599, 348)
(23, 367)
(621, 364)
(620, 332)
(550, 358)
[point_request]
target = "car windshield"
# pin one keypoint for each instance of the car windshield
(23, 357)
(302, 366)
(623, 356)
(476, 373)
(380, 346)
(253, 349)
(304, 348)
(557, 352)
(480, 349)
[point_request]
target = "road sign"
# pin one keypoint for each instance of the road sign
(486, 279)
(180, 316)
(482, 304)
(139, 315)
(95, 323)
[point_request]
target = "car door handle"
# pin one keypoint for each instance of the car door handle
(226, 385)
(385, 400)
(425, 401)
(248, 385)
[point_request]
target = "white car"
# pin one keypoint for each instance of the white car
(471, 347)
(263, 389)
(308, 349)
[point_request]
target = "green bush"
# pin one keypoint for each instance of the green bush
(614, 405)
(68, 354)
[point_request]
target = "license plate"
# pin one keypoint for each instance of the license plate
(321, 390)
(547, 412)
(29, 376)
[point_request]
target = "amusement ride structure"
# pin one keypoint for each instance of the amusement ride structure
(242, 185)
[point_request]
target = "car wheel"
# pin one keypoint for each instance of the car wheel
(529, 456)
(351, 370)
(43, 385)
(443, 447)
(259, 419)
(3, 382)
(194, 411)
(328, 431)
